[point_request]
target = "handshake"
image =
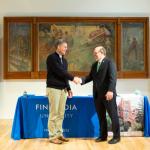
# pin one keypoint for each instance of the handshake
(77, 80)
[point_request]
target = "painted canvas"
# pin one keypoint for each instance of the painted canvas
(132, 46)
(131, 115)
(82, 38)
(19, 47)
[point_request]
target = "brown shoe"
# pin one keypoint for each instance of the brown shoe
(99, 139)
(63, 139)
(55, 141)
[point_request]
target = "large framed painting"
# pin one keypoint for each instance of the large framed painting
(18, 47)
(82, 36)
(29, 40)
(134, 46)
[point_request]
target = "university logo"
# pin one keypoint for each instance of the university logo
(45, 107)
(70, 107)
(41, 107)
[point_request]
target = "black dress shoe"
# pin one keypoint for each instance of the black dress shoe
(99, 139)
(114, 140)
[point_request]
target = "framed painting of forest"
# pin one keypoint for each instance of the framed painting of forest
(29, 40)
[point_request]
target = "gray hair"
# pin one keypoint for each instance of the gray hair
(59, 42)
(102, 50)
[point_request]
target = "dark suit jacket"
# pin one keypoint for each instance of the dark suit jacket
(104, 80)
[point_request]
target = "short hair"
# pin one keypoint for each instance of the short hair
(59, 42)
(102, 50)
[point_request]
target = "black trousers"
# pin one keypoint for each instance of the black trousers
(102, 105)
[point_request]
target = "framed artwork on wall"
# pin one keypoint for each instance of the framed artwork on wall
(18, 47)
(29, 40)
(134, 46)
(82, 38)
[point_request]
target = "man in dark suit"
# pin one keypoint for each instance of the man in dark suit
(103, 75)
(57, 89)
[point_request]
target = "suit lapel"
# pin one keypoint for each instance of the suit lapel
(95, 68)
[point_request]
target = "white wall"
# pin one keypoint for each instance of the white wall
(10, 90)
(74, 7)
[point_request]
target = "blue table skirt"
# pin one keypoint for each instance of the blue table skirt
(31, 118)
(80, 120)
(146, 117)
(29, 121)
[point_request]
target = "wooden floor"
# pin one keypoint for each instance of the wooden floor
(127, 143)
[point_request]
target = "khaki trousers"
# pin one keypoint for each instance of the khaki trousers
(57, 101)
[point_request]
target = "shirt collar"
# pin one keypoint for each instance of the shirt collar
(60, 56)
(99, 61)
